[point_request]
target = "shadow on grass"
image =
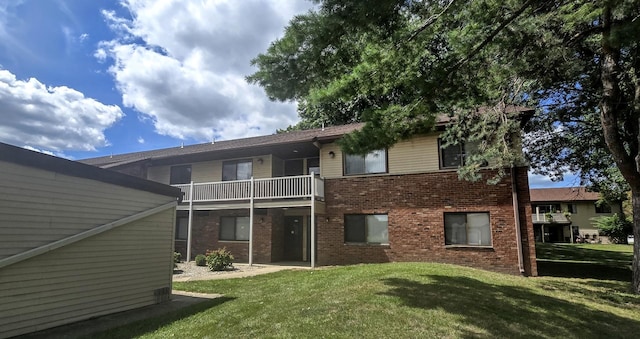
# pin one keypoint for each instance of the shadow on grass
(569, 252)
(583, 270)
(142, 327)
(507, 311)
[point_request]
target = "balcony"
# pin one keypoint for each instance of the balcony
(551, 218)
(307, 187)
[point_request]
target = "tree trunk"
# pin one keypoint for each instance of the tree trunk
(635, 192)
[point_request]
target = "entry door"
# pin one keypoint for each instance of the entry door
(293, 238)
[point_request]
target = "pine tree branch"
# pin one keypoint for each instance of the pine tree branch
(429, 21)
(492, 35)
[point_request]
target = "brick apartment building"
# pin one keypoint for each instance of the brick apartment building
(296, 197)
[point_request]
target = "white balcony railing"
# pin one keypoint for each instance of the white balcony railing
(548, 218)
(267, 188)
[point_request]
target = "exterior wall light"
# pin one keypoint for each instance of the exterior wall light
(332, 154)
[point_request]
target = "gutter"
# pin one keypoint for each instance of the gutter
(83, 235)
(516, 216)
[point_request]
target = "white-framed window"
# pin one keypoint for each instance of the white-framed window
(453, 156)
(234, 228)
(237, 170)
(373, 162)
(472, 229)
(366, 228)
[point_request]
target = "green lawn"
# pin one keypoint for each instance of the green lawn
(401, 300)
(611, 262)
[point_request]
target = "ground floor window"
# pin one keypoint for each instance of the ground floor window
(234, 228)
(366, 228)
(467, 229)
(182, 225)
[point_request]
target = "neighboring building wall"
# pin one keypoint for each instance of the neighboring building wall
(586, 212)
(123, 268)
(39, 207)
(416, 205)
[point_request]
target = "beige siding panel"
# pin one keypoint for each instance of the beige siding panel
(330, 167)
(263, 170)
(160, 174)
(417, 155)
(584, 217)
(207, 171)
(114, 271)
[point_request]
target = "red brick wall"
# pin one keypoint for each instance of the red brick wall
(416, 205)
(526, 223)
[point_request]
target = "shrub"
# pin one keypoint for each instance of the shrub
(176, 258)
(615, 227)
(219, 260)
(201, 260)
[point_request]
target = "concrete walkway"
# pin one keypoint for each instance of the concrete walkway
(179, 300)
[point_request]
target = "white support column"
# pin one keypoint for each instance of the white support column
(542, 226)
(190, 222)
(313, 221)
(251, 193)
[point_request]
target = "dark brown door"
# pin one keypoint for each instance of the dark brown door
(293, 238)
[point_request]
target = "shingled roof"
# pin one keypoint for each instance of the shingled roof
(319, 134)
(562, 194)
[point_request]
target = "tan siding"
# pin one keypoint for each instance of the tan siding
(160, 174)
(585, 215)
(263, 170)
(417, 155)
(207, 171)
(330, 167)
(110, 272)
(35, 199)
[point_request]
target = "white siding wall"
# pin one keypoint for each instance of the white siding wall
(114, 271)
(38, 207)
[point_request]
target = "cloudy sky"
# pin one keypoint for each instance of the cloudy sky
(82, 78)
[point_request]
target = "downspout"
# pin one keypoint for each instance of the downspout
(516, 216)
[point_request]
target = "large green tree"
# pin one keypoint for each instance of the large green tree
(398, 64)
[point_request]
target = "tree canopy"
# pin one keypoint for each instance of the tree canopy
(397, 65)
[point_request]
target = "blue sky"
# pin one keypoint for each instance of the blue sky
(82, 78)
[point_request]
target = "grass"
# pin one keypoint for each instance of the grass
(400, 300)
(598, 261)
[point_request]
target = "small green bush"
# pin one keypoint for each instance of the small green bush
(201, 260)
(615, 227)
(219, 260)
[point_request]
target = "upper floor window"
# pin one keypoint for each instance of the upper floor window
(603, 208)
(313, 165)
(467, 229)
(237, 170)
(362, 228)
(572, 208)
(180, 175)
(373, 162)
(453, 156)
(547, 208)
(294, 167)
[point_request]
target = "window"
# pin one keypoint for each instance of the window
(293, 167)
(182, 226)
(363, 228)
(234, 228)
(237, 170)
(453, 156)
(546, 208)
(467, 229)
(603, 208)
(374, 162)
(572, 208)
(313, 165)
(180, 175)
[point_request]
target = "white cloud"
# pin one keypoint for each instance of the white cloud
(140, 140)
(52, 118)
(543, 181)
(83, 37)
(57, 154)
(182, 65)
